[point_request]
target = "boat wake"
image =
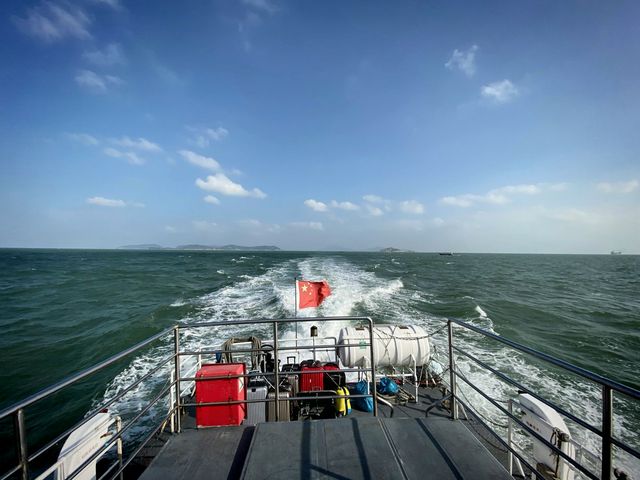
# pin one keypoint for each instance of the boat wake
(363, 291)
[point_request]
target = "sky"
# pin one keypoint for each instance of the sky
(431, 126)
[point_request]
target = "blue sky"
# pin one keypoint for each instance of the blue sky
(479, 126)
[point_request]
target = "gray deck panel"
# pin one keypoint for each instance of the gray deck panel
(211, 453)
(347, 448)
(359, 448)
(338, 449)
(440, 448)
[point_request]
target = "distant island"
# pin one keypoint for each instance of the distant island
(242, 248)
(395, 250)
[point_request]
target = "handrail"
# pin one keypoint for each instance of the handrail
(95, 411)
(608, 386)
(594, 377)
(529, 430)
(508, 379)
(276, 348)
(275, 320)
(79, 376)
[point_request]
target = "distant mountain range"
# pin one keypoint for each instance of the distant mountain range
(153, 246)
(395, 250)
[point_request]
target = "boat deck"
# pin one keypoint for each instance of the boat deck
(408, 446)
(354, 448)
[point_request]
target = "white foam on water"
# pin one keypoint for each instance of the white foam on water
(268, 295)
(271, 294)
(178, 303)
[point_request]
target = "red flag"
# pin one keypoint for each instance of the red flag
(312, 294)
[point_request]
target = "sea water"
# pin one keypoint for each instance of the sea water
(64, 310)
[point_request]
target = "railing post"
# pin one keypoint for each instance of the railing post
(119, 445)
(510, 436)
(452, 374)
(21, 443)
(607, 432)
(275, 368)
(176, 345)
(373, 368)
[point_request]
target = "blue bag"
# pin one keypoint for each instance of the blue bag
(387, 386)
(365, 403)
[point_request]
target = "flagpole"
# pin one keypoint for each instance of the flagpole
(295, 308)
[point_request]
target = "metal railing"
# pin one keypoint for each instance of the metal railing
(172, 391)
(605, 431)
(20, 428)
(274, 323)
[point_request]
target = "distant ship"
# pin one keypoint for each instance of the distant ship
(613, 252)
(445, 253)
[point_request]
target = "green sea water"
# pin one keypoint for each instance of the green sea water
(64, 310)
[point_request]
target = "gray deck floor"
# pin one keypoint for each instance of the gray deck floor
(347, 448)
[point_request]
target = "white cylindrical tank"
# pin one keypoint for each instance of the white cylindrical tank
(394, 345)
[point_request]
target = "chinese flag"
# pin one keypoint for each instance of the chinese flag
(311, 294)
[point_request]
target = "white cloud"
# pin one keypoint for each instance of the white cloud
(500, 92)
(204, 225)
(412, 206)
(457, 201)
(203, 136)
(344, 205)
(211, 199)
(558, 187)
(170, 229)
(111, 55)
(131, 157)
(437, 222)
(378, 200)
(224, 185)
(316, 205)
(619, 187)
(250, 222)
(261, 5)
(200, 160)
(463, 61)
(373, 199)
(374, 211)
(52, 21)
(139, 144)
(308, 225)
(570, 215)
(95, 82)
(115, 4)
(497, 196)
(106, 202)
(84, 138)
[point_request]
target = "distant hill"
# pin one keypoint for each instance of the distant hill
(394, 250)
(262, 248)
(195, 246)
(143, 246)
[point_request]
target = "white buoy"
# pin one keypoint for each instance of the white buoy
(394, 345)
(81, 444)
(547, 423)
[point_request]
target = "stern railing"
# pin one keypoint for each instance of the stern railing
(172, 391)
(604, 431)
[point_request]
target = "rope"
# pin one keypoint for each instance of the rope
(256, 345)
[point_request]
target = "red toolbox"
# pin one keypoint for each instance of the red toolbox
(220, 390)
(312, 377)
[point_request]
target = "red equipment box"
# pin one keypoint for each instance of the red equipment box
(220, 390)
(309, 380)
